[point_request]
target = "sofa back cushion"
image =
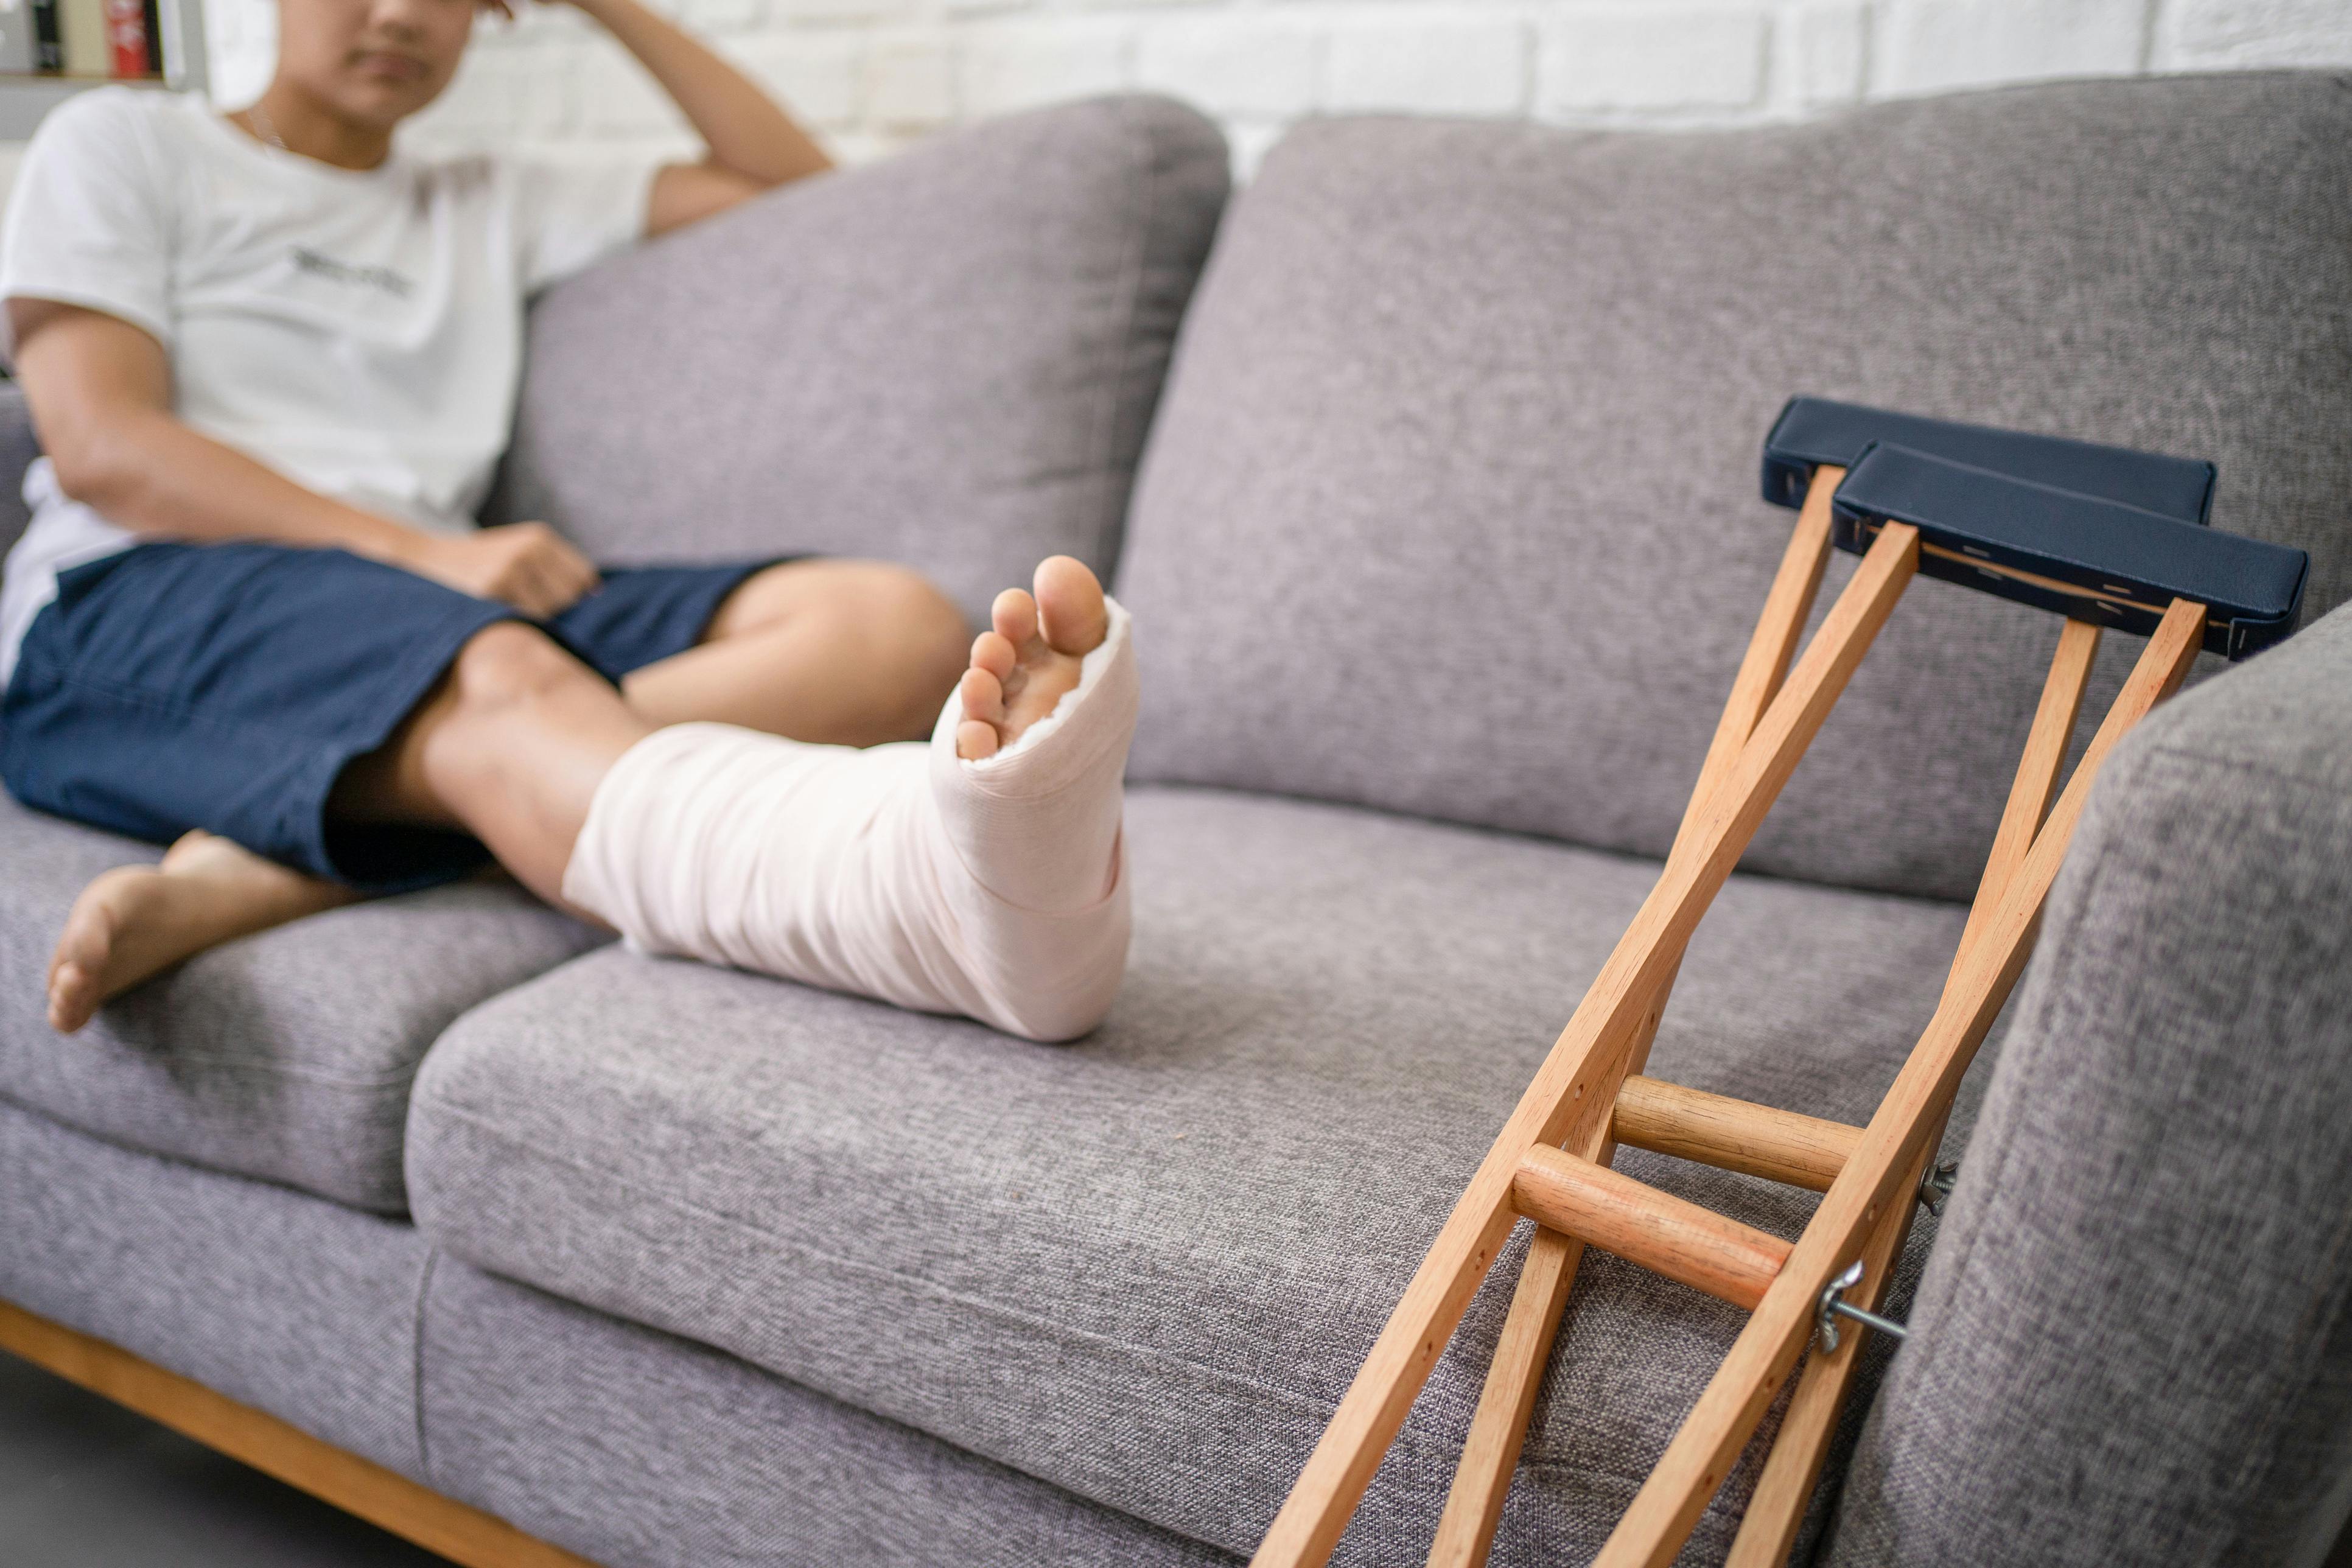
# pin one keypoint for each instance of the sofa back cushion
(948, 358)
(1452, 506)
(18, 447)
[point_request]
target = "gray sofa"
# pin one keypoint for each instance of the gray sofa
(1435, 503)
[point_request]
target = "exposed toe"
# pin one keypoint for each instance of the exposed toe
(1014, 617)
(85, 948)
(983, 696)
(975, 740)
(993, 652)
(71, 999)
(1070, 606)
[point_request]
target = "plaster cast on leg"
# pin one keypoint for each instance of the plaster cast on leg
(994, 888)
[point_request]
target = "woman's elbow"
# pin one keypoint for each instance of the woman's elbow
(99, 468)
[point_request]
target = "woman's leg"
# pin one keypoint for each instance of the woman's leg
(848, 653)
(979, 874)
(512, 744)
(134, 921)
(509, 746)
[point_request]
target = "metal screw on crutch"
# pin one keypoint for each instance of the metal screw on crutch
(1835, 1306)
(1938, 1185)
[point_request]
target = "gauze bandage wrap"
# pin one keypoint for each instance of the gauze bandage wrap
(995, 888)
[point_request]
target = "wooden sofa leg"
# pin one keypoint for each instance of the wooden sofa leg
(383, 1498)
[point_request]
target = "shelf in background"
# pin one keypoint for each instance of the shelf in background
(25, 97)
(70, 80)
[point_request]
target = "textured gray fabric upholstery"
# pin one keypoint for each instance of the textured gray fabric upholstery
(2136, 1342)
(1452, 505)
(286, 1055)
(639, 1450)
(18, 447)
(948, 358)
(295, 1305)
(1143, 1266)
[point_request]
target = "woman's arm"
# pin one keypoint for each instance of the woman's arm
(753, 144)
(100, 390)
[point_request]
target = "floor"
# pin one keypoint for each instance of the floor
(84, 1483)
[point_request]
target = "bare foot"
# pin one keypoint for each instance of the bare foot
(134, 921)
(1022, 667)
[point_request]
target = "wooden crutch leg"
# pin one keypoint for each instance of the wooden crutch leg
(1694, 1464)
(1572, 1092)
(1776, 1509)
(1491, 1453)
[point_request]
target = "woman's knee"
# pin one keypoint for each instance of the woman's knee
(920, 617)
(915, 631)
(874, 596)
(511, 665)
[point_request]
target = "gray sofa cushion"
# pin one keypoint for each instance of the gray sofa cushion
(2154, 1218)
(1144, 1267)
(640, 1450)
(18, 447)
(1452, 507)
(947, 358)
(286, 1055)
(294, 1306)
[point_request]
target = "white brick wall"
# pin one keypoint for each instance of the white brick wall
(1660, 60)
(873, 74)
(1458, 61)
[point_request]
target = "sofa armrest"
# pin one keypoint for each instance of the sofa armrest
(18, 447)
(2133, 1343)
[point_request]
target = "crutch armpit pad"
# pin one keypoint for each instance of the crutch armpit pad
(1814, 432)
(2074, 553)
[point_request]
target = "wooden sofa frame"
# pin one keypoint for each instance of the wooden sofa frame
(383, 1498)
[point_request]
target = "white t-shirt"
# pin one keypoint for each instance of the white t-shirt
(358, 331)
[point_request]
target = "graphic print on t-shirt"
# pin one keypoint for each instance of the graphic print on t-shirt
(383, 277)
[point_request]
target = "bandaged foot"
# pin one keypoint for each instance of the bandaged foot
(979, 873)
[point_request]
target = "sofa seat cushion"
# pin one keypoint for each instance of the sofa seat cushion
(637, 1449)
(1144, 1267)
(287, 1055)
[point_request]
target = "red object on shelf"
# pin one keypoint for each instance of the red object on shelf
(126, 36)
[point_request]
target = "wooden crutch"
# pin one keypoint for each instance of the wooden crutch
(2092, 531)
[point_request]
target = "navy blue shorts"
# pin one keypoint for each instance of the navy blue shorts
(227, 687)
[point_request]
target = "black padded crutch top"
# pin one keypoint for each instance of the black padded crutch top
(1813, 430)
(2100, 533)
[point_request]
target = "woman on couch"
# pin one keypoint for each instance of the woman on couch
(272, 359)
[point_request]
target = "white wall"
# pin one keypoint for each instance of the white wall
(872, 75)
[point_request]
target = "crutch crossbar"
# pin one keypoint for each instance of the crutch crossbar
(1917, 505)
(1732, 1134)
(1667, 1235)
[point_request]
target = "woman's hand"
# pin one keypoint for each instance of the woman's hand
(526, 564)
